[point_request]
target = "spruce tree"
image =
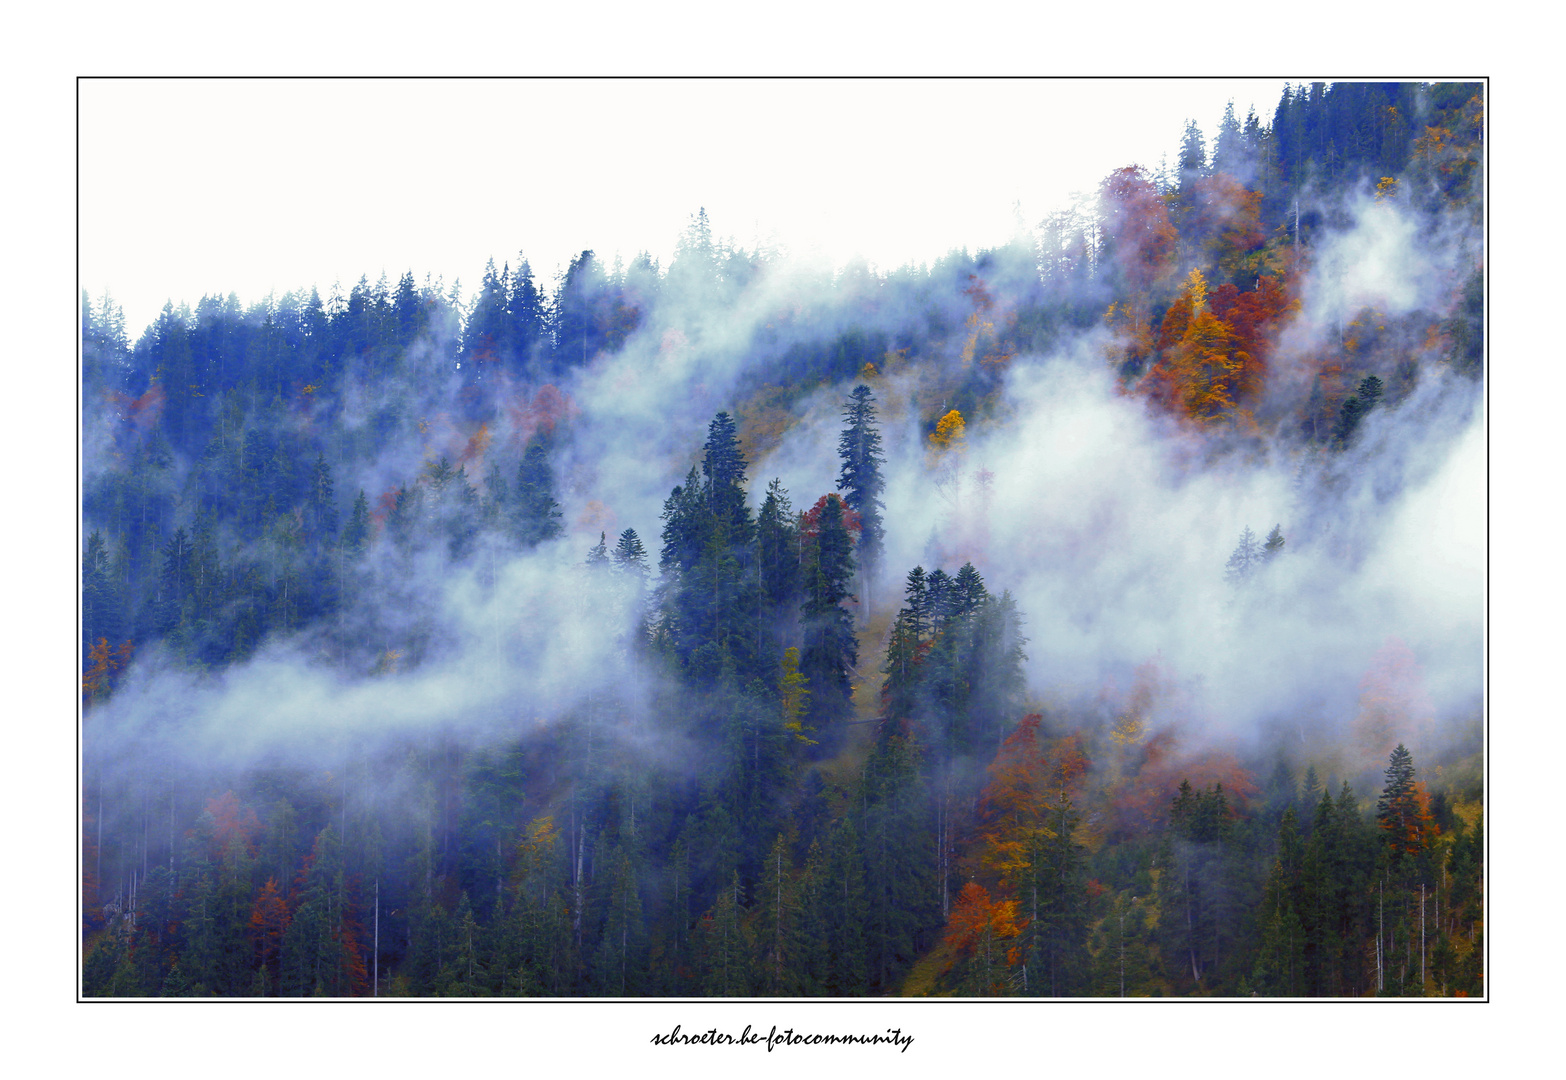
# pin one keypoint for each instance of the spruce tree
(1247, 556)
(537, 513)
(777, 572)
(630, 557)
(1274, 545)
(860, 480)
(1398, 811)
(830, 648)
(356, 535)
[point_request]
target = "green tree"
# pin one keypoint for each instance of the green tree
(830, 649)
(1399, 811)
(1053, 896)
(630, 557)
(356, 534)
(860, 479)
(777, 570)
(724, 946)
(537, 514)
(1274, 545)
(1354, 409)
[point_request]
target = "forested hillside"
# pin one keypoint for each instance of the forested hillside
(1098, 615)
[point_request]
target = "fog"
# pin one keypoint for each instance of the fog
(1108, 523)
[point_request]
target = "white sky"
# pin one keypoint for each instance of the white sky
(204, 186)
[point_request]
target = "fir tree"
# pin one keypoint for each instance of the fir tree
(537, 513)
(830, 648)
(859, 478)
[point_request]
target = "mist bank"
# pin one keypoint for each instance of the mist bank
(1109, 520)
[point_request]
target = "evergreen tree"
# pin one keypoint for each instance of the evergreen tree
(860, 480)
(578, 333)
(537, 514)
(527, 319)
(1354, 409)
(356, 535)
(777, 568)
(843, 908)
(723, 466)
(484, 337)
(1247, 556)
(830, 649)
(1229, 150)
(725, 947)
(630, 557)
(1399, 811)
(1053, 896)
(1197, 906)
(902, 896)
(1274, 545)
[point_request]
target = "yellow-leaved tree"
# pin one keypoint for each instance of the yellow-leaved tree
(793, 693)
(1201, 369)
(950, 433)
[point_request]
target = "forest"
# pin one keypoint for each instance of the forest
(1100, 615)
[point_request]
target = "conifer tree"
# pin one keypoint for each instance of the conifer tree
(630, 557)
(830, 649)
(1400, 811)
(527, 319)
(537, 513)
(1247, 556)
(777, 571)
(1274, 545)
(356, 534)
(860, 479)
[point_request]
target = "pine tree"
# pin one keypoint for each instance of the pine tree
(630, 557)
(1274, 545)
(356, 534)
(723, 466)
(860, 480)
(1399, 811)
(844, 909)
(830, 648)
(1052, 895)
(527, 319)
(1247, 556)
(1354, 409)
(777, 923)
(537, 513)
(777, 571)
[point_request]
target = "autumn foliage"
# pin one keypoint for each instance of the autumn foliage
(810, 520)
(102, 665)
(1213, 348)
(979, 931)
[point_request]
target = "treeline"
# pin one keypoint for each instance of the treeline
(238, 425)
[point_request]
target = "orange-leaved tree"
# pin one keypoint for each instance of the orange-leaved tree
(1030, 779)
(1202, 365)
(978, 934)
(268, 921)
(102, 665)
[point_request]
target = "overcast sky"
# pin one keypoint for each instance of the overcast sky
(196, 186)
